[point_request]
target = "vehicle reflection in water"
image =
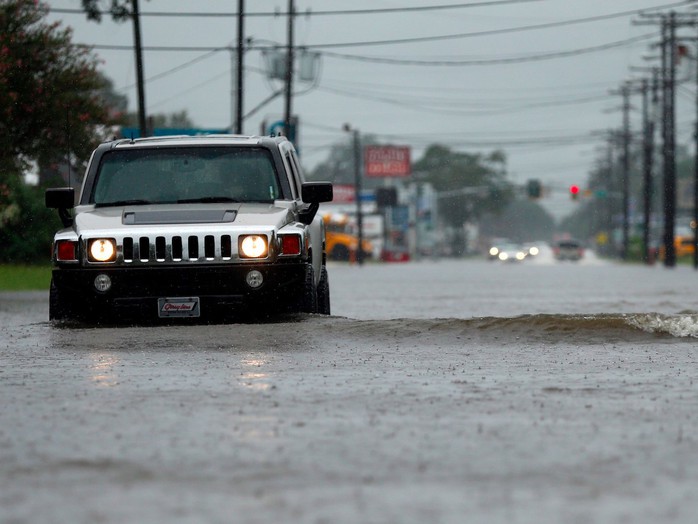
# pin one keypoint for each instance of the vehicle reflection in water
(253, 376)
(103, 369)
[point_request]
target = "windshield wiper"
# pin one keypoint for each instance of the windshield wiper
(207, 200)
(132, 202)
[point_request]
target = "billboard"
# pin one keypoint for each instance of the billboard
(387, 161)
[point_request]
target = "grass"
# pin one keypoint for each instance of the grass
(24, 278)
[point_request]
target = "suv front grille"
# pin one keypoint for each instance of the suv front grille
(175, 249)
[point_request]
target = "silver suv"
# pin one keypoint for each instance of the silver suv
(181, 227)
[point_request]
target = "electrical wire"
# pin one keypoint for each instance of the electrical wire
(491, 61)
(492, 32)
(309, 13)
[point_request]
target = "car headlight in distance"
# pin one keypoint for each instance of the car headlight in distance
(494, 251)
(102, 250)
(520, 255)
(503, 256)
(253, 246)
(533, 251)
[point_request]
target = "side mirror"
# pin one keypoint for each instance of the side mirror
(63, 199)
(316, 192)
(60, 198)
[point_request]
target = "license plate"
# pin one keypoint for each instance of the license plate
(179, 307)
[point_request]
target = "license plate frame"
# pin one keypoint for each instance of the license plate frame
(179, 307)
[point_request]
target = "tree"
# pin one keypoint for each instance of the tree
(119, 9)
(469, 184)
(50, 91)
(339, 165)
(177, 120)
(521, 221)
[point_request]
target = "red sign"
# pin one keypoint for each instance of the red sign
(387, 161)
(343, 194)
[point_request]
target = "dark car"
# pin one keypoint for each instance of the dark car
(568, 249)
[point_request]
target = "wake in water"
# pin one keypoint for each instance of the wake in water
(574, 329)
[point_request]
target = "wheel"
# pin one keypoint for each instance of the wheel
(323, 293)
(308, 302)
(341, 253)
(58, 308)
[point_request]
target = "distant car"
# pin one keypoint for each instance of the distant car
(532, 250)
(568, 249)
(511, 253)
(496, 247)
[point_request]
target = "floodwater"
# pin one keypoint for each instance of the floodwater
(439, 391)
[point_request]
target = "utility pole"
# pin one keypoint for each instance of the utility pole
(135, 14)
(669, 76)
(240, 64)
(647, 146)
(358, 163)
(695, 179)
(625, 91)
(289, 69)
(669, 24)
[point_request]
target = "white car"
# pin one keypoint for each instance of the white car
(511, 253)
(181, 227)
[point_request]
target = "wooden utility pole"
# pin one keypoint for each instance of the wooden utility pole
(135, 14)
(289, 70)
(240, 64)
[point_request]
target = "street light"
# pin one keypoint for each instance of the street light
(357, 190)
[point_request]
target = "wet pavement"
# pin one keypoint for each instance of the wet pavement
(444, 392)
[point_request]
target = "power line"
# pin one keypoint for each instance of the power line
(492, 32)
(309, 13)
(491, 61)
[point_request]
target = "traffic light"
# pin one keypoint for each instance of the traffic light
(533, 188)
(574, 192)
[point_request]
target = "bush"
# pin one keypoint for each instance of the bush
(26, 225)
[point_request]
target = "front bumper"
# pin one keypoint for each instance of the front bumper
(135, 292)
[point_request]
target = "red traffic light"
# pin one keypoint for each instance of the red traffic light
(574, 191)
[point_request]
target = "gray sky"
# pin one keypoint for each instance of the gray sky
(517, 100)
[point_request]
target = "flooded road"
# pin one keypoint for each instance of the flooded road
(441, 392)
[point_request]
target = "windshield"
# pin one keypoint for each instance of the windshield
(193, 174)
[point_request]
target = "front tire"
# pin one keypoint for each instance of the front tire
(58, 307)
(308, 302)
(323, 293)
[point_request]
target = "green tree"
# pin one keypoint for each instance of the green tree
(339, 165)
(119, 9)
(178, 120)
(469, 184)
(49, 90)
(521, 221)
(26, 225)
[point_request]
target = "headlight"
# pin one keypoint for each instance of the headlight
(533, 251)
(520, 255)
(494, 251)
(102, 250)
(253, 246)
(503, 256)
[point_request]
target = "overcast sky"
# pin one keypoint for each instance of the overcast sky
(490, 81)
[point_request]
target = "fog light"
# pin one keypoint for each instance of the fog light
(254, 279)
(102, 283)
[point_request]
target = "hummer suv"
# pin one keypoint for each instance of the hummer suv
(181, 227)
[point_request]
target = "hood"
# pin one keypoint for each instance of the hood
(122, 220)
